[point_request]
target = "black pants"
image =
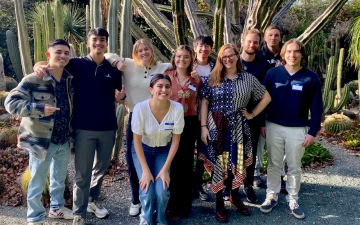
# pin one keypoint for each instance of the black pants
(255, 133)
(182, 166)
(134, 181)
(199, 167)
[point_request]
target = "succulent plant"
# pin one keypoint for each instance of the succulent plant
(3, 95)
(8, 136)
(335, 123)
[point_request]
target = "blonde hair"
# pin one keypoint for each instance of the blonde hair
(135, 56)
(272, 27)
(219, 71)
(301, 46)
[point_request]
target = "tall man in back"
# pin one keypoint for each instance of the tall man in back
(295, 90)
(95, 84)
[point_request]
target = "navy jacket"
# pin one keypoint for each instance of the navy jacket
(272, 58)
(293, 96)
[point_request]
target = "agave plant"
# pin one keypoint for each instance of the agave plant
(74, 24)
(354, 50)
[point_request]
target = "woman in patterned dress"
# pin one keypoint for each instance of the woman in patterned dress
(185, 87)
(224, 125)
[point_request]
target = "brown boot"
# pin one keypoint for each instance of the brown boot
(221, 213)
(235, 200)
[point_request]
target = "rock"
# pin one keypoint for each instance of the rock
(5, 117)
(2, 110)
(332, 139)
(349, 113)
(334, 142)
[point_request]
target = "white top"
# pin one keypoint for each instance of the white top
(203, 71)
(144, 123)
(137, 79)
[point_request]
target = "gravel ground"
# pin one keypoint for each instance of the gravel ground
(327, 196)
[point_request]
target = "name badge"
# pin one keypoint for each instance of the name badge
(152, 75)
(192, 87)
(169, 126)
(297, 87)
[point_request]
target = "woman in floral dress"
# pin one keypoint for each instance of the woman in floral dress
(224, 125)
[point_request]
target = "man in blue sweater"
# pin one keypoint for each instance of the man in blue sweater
(294, 91)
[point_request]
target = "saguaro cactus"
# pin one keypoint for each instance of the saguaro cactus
(59, 20)
(14, 54)
(23, 37)
(95, 13)
(37, 43)
(219, 20)
(113, 25)
(125, 35)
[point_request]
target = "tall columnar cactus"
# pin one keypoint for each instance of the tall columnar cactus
(49, 24)
(2, 74)
(13, 49)
(339, 74)
(113, 25)
(87, 24)
(218, 27)
(125, 34)
(179, 20)
(37, 43)
(82, 49)
(330, 75)
(72, 51)
(23, 37)
(95, 13)
(59, 20)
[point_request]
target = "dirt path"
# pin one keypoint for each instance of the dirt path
(327, 196)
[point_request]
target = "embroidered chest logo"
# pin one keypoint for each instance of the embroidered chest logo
(108, 76)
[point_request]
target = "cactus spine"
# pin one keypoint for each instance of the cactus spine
(59, 20)
(23, 37)
(179, 18)
(37, 43)
(14, 54)
(113, 25)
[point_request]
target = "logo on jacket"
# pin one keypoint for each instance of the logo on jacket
(108, 75)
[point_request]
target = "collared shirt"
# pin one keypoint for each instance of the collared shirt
(94, 94)
(154, 134)
(61, 132)
(186, 94)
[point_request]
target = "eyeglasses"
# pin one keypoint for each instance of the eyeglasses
(228, 57)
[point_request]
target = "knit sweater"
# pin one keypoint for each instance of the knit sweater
(293, 96)
(137, 79)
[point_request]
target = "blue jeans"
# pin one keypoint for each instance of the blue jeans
(157, 198)
(58, 158)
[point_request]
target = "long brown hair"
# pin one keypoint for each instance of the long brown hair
(301, 48)
(191, 53)
(219, 70)
(136, 48)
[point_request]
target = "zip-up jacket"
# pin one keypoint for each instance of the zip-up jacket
(272, 58)
(28, 100)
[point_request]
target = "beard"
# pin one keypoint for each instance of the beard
(250, 53)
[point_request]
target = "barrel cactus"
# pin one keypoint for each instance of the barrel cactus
(14, 54)
(336, 123)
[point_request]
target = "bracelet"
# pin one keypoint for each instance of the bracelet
(115, 63)
(203, 125)
(253, 115)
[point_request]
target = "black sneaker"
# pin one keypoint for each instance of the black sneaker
(258, 182)
(295, 210)
(283, 186)
(250, 194)
(268, 205)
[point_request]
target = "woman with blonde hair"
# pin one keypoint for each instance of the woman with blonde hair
(137, 73)
(225, 128)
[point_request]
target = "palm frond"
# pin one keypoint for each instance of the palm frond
(354, 49)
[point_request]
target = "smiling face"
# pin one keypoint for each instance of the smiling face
(203, 50)
(58, 55)
(229, 58)
(97, 44)
(293, 55)
(272, 37)
(161, 90)
(182, 59)
(144, 53)
(251, 44)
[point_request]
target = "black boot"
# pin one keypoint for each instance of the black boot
(221, 213)
(235, 200)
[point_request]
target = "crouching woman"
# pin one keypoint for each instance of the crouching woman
(157, 124)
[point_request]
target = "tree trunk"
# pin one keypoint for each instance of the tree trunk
(282, 12)
(179, 21)
(321, 21)
(195, 26)
(228, 37)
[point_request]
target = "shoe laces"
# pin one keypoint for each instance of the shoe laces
(293, 205)
(267, 201)
(98, 204)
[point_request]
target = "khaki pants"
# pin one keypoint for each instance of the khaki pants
(291, 139)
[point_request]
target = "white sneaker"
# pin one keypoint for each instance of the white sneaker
(62, 213)
(134, 209)
(143, 222)
(78, 220)
(35, 223)
(96, 208)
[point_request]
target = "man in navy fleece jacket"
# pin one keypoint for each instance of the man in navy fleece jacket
(294, 91)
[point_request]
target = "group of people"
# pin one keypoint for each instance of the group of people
(223, 108)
